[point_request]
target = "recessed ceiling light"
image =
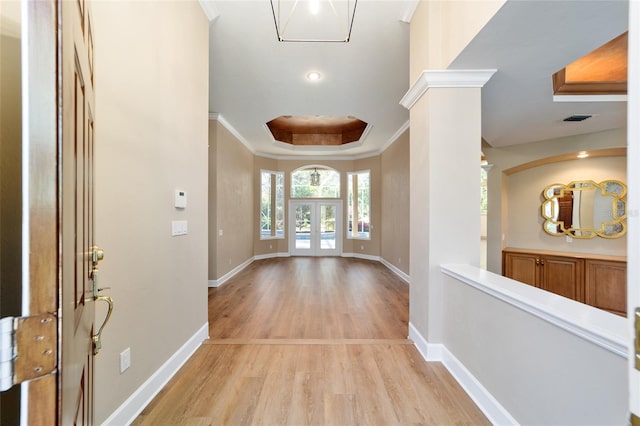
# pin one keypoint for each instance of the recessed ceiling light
(583, 154)
(314, 6)
(313, 76)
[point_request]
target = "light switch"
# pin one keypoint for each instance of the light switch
(178, 227)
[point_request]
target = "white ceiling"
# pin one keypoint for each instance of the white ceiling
(255, 78)
(527, 42)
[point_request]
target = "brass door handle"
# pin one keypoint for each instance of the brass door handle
(97, 338)
(97, 254)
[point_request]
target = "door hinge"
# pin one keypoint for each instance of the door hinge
(28, 348)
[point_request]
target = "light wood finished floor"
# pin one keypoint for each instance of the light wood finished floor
(322, 341)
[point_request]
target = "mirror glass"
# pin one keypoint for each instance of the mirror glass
(585, 209)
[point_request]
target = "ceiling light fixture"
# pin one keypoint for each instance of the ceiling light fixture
(583, 154)
(322, 21)
(313, 76)
(314, 7)
(315, 177)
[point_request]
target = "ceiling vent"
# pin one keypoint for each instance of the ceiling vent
(577, 117)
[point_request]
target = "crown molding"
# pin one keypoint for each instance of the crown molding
(209, 9)
(220, 119)
(395, 137)
(590, 98)
(444, 79)
(409, 10)
(318, 157)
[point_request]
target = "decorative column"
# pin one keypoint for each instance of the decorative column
(445, 120)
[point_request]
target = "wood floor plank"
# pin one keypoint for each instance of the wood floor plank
(311, 341)
(310, 298)
(308, 342)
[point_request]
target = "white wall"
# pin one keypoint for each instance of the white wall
(151, 85)
(516, 155)
(539, 372)
(524, 218)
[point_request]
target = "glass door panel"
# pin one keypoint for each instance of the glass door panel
(315, 228)
(327, 227)
(302, 223)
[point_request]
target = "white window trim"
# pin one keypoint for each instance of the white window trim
(284, 230)
(349, 235)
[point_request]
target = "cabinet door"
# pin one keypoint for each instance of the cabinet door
(521, 267)
(563, 276)
(606, 285)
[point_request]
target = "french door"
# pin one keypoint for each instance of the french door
(315, 228)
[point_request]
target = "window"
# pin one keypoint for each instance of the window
(359, 201)
(328, 187)
(483, 188)
(271, 204)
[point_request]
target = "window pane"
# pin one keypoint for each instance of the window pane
(329, 186)
(359, 205)
(350, 200)
(363, 205)
(265, 204)
(280, 204)
(483, 191)
(271, 204)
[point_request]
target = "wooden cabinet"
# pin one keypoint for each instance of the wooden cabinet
(563, 276)
(606, 285)
(558, 274)
(599, 281)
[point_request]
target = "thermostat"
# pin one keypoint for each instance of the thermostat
(181, 199)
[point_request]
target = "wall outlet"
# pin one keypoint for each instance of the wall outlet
(125, 360)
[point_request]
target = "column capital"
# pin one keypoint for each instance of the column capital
(444, 79)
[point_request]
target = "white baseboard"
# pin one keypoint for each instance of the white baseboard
(231, 273)
(490, 406)
(133, 406)
(362, 256)
(395, 270)
(270, 256)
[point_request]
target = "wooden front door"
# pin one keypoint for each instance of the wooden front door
(58, 254)
(79, 256)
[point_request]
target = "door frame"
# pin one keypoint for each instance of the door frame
(633, 197)
(315, 203)
(40, 207)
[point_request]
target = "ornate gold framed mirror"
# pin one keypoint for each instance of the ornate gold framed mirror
(585, 209)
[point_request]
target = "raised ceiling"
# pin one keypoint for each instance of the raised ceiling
(528, 41)
(255, 78)
(316, 130)
(600, 72)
